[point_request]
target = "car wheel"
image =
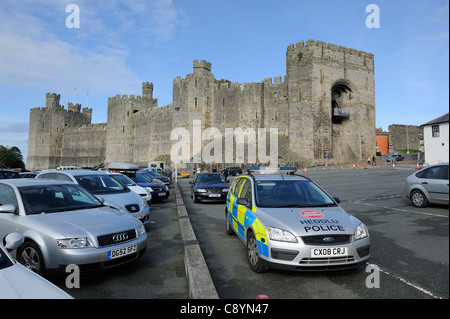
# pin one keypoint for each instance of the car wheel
(229, 230)
(30, 256)
(253, 255)
(419, 199)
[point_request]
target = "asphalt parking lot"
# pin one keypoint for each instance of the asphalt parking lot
(160, 273)
(410, 246)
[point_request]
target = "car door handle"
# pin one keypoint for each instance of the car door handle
(235, 206)
(425, 183)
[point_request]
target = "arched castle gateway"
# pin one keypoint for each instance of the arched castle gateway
(326, 101)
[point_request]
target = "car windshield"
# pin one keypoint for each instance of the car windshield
(282, 193)
(142, 178)
(124, 180)
(99, 184)
(40, 199)
(209, 179)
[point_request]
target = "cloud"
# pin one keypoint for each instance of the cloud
(41, 53)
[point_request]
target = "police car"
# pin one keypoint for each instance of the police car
(288, 222)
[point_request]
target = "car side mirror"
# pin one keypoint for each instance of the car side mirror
(191, 182)
(7, 208)
(13, 241)
(337, 200)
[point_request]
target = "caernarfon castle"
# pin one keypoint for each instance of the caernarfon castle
(323, 110)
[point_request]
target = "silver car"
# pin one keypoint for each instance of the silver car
(63, 224)
(18, 282)
(102, 185)
(429, 185)
(289, 222)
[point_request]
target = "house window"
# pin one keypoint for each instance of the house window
(435, 130)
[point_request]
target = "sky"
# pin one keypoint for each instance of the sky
(119, 44)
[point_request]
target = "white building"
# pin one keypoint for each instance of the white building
(435, 140)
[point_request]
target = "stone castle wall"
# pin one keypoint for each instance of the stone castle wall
(326, 101)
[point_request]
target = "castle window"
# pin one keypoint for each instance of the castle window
(275, 95)
(223, 102)
(195, 102)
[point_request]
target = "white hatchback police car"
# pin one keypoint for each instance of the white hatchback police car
(288, 222)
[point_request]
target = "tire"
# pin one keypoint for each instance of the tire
(419, 199)
(228, 228)
(252, 254)
(30, 256)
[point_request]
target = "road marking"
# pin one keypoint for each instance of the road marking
(425, 291)
(400, 209)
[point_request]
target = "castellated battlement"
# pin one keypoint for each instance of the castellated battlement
(202, 66)
(125, 98)
(331, 52)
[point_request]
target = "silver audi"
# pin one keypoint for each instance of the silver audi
(63, 224)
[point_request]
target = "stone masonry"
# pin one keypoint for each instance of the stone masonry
(325, 102)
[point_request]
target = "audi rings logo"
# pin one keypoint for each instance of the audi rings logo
(120, 237)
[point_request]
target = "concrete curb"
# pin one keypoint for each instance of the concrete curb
(199, 279)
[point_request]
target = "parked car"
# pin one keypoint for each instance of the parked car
(128, 182)
(64, 224)
(429, 185)
(395, 157)
(156, 188)
(8, 173)
(28, 174)
(100, 184)
(290, 222)
(19, 282)
(234, 170)
(209, 186)
(153, 174)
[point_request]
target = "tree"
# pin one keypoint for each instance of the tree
(11, 157)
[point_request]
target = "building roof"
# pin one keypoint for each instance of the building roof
(440, 119)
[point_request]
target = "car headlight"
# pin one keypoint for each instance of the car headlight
(140, 230)
(201, 190)
(148, 189)
(74, 243)
(361, 231)
(281, 235)
(167, 188)
(225, 190)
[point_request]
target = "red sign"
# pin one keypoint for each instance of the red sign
(311, 214)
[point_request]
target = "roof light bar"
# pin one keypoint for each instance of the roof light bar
(271, 170)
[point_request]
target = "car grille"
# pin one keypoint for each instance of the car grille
(283, 254)
(115, 238)
(327, 260)
(213, 190)
(133, 208)
(319, 240)
(158, 189)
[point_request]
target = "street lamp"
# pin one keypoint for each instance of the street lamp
(177, 109)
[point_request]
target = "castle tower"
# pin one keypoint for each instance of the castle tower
(46, 131)
(331, 102)
(147, 90)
